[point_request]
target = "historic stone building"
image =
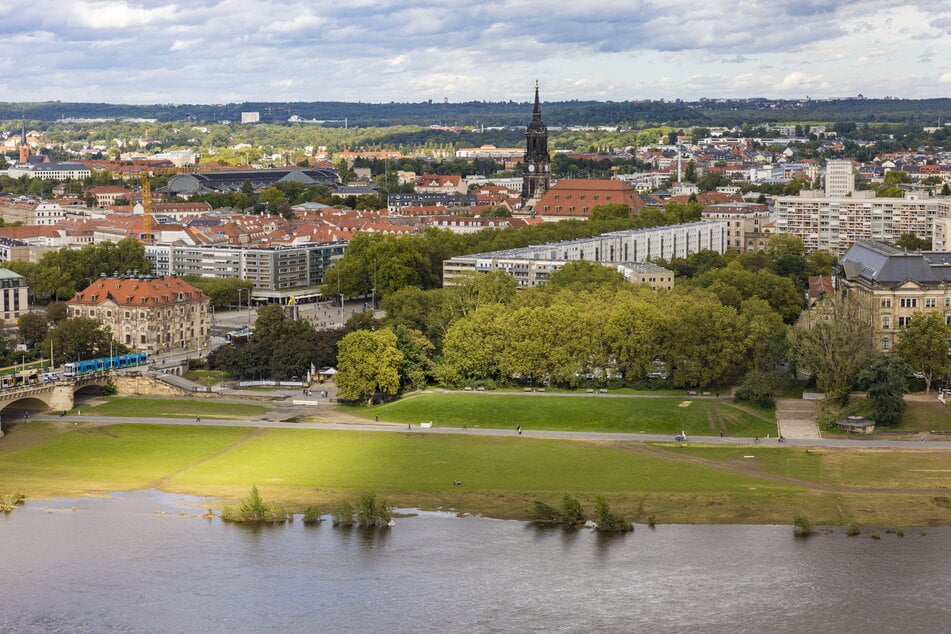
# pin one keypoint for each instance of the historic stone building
(13, 296)
(147, 314)
(896, 284)
(537, 161)
(747, 224)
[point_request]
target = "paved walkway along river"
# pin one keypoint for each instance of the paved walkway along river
(339, 421)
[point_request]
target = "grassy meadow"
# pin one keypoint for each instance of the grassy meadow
(604, 413)
(137, 407)
(500, 476)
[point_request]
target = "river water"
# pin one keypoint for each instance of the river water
(145, 561)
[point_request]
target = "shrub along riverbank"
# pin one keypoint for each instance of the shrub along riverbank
(493, 476)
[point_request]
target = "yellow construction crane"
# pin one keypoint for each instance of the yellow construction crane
(146, 209)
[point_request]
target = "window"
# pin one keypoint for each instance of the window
(930, 302)
(903, 321)
(909, 302)
(885, 343)
(886, 302)
(886, 322)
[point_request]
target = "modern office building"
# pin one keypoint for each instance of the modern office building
(840, 177)
(270, 269)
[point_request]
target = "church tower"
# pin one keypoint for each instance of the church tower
(24, 146)
(537, 176)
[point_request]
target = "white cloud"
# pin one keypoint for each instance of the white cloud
(382, 50)
(92, 14)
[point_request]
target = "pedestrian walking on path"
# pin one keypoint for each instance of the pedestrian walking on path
(518, 428)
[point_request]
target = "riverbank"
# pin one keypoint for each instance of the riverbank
(499, 476)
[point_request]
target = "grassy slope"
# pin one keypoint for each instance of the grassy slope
(99, 459)
(577, 413)
(500, 476)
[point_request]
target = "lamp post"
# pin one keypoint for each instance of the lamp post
(373, 291)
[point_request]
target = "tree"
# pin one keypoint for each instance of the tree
(690, 174)
(610, 210)
(701, 340)
(497, 211)
(781, 244)
(368, 363)
(834, 343)
(56, 311)
(923, 345)
(33, 328)
(582, 275)
(80, 338)
(417, 365)
(911, 242)
(222, 292)
(473, 345)
(896, 177)
(884, 382)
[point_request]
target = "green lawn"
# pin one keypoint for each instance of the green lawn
(95, 459)
(698, 417)
(136, 407)
(926, 416)
(500, 476)
(416, 461)
(207, 378)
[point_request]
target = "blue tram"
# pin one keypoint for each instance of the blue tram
(80, 368)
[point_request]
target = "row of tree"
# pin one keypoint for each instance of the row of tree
(61, 273)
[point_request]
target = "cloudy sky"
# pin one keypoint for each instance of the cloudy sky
(218, 51)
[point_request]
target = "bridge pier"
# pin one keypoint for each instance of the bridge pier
(61, 398)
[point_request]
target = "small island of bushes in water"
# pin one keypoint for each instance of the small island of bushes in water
(368, 510)
(9, 500)
(571, 514)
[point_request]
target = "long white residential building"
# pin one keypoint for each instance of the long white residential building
(531, 266)
(835, 223)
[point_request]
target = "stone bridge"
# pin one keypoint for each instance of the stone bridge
(52, 396)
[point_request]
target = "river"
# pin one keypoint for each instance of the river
(146, 561)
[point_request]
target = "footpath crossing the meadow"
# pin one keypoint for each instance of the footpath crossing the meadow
(797, 419)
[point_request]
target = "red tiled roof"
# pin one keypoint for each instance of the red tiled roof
(133, 292)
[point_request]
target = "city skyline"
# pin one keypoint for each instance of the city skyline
(220, 51)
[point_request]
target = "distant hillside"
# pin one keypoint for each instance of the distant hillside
(682, 114)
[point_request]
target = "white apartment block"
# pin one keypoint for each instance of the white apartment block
(532, 265)
(834, 224)
(840, 178)
(48, 214)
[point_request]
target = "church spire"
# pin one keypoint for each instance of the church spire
(24, 146)
(537, 113)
